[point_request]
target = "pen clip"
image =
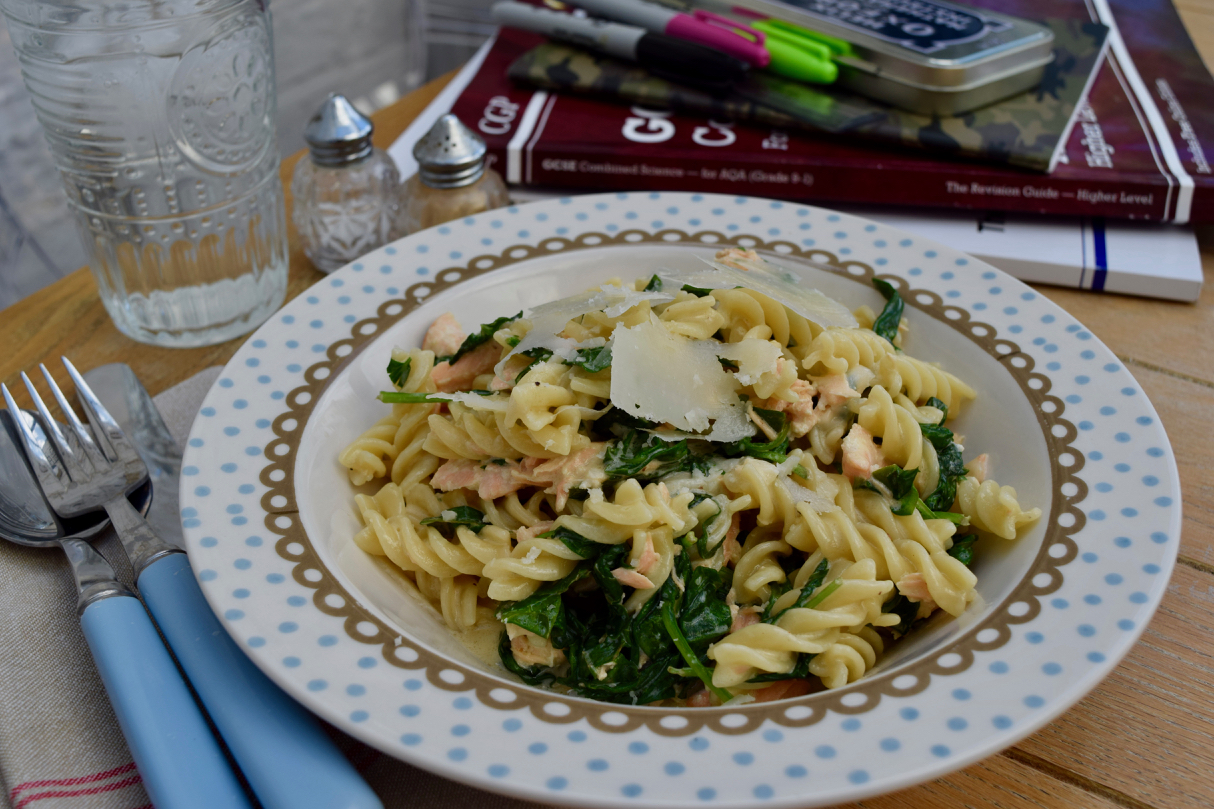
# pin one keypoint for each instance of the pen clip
(733, 26)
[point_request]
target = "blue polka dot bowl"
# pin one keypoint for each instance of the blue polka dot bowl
(269, 514)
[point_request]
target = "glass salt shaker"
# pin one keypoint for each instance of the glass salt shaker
(347, 192)
(452, 180)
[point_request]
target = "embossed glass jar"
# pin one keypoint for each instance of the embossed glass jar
(160, 116)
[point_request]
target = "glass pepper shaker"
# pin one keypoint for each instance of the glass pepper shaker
(452, 180)
(347, 192)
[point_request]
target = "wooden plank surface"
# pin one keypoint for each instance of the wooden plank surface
(1143, 739)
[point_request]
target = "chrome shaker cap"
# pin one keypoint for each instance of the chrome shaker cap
(450, 155)
(338, 134)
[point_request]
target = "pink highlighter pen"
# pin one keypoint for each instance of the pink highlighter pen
(703, 27)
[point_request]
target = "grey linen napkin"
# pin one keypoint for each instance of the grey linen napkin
(60, 746)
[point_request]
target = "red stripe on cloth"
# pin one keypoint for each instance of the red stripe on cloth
(68, 782)
(75, 793)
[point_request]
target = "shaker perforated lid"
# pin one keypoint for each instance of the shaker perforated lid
(450, 155)
(338, 134)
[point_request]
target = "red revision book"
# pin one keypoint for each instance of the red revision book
(1137, 150)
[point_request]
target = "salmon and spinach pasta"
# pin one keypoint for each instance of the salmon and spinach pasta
(694, 488)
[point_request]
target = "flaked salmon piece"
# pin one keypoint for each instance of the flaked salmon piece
(631, 578)
(530, 649)
(700, 699)
(529, 532)
(782, 689)
(801, 413)
(649, 557)
(980, 467)
(861, 455)
(833, 391)
(744, 618)
(514, 366)
(456, 474)
(488, 479)
(914, 587)
(561, 475)
(498, 480)
(467, 368)
(444, 337)
(733, 551)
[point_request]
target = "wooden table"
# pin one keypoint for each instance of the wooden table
(1144, 738)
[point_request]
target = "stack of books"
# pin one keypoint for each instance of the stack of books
(1129, 163)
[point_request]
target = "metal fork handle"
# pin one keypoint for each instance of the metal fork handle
(94, 576)
(142, 545)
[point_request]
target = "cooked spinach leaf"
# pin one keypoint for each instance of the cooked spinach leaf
(952, 467)
(537, 356)
(774, 451)
(632, 455)
(592, 360)
(404, 397)
(398, 372)
(901, 485)
(693, 661)
(812, 583)
(905, 609)
(477, 338)
(654, 285)
(583, 547)
(963, 548)
(401, 397)
(542, 612)
(939, 405)
(616, 423)
(697, 291)
(705, 616)
(800, 671)
(890, 318)
(461, 515)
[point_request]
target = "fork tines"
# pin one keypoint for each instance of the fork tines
(97, 447)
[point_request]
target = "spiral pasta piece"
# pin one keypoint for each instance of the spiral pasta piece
(901, 438)
(993, 508)
(921, 381)
(840, 351)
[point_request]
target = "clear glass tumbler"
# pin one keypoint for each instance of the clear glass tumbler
(160, 116)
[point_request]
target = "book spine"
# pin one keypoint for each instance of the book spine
(565, 166)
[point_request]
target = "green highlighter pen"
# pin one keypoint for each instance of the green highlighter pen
(801, 54)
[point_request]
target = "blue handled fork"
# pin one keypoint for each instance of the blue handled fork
(288, 760)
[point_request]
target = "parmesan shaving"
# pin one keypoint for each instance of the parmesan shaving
(667, 378)
(772, 280)
(753, 357)
(548, 320)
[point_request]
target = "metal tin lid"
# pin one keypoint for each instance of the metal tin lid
(450, 155)
(338, 134)
(927, 44)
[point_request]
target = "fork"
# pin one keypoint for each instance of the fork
(181, 763)
(286, 757)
